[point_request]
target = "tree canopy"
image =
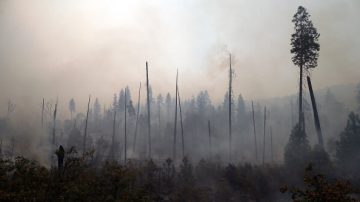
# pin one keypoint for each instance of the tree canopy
(304, 41)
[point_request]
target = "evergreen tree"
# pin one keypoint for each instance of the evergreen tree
(168, 104)
(121, 102)
(347, 148)
(305, 48)
(72, 107)
(115, 102)
(97, 109)
(128, 95)
(297, 149)
(241, 113)
(203, 101)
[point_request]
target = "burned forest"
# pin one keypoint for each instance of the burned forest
(183, 101)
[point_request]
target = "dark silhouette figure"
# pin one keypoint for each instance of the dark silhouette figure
(60, 153)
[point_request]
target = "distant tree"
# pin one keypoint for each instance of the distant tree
(151, 98)
(332, 104)
(160, 101)
(72, 107)
(203, 101)
(358, 95)
(241, 113)
(347, 147)
(97, 109)
(131, 109)
(115, 102)
(128, 95)
(11, 109)
(168, 104)
(305, 48)
(226, 102)
(297, 149)
(121, 101)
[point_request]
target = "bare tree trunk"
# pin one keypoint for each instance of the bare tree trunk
(125, 107)
(230, 100)
(209, 130)
(159, 114)
(42, 113)
(182, 128)
(148, 109)
(263, 159)
(175, 121)
(316, 115)
(54, 123)
(0, 148)
(253, 118)
(137, 119)
(271, 145)
(301, 115)
(113, 136)
(86, 124)
(292, 112)
(54, 131)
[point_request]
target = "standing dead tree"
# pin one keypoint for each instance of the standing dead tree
(148, 109)
(42, 113)
(182, 128)
(175, 121)
(54, 131)
(263, 159)
(271, 145)
(230, 102)
(113, 136)
(54, 123)
(253, 119)
(209, 130)
(137, 119)
(125, 136)
(86, 124)
(316, 115)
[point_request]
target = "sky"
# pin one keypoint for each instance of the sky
(69, 49)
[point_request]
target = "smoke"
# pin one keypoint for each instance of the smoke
(67, 49)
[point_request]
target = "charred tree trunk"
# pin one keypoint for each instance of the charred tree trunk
(113, 136)
(42, 113)
(175, 121)
(54, 125)
(263, 159)
(292, 112)
(182, 128)
(148, 109)
(125, 142)
(271, 145)
(137, 119)
(86, 124)
(301, 114)
(253, 119)
(316, 115)
(54, 132)
(230, 100)
(209, 130)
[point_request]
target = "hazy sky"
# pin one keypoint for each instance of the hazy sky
(73, 48)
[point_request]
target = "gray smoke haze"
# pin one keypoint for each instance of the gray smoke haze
(71, 49)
